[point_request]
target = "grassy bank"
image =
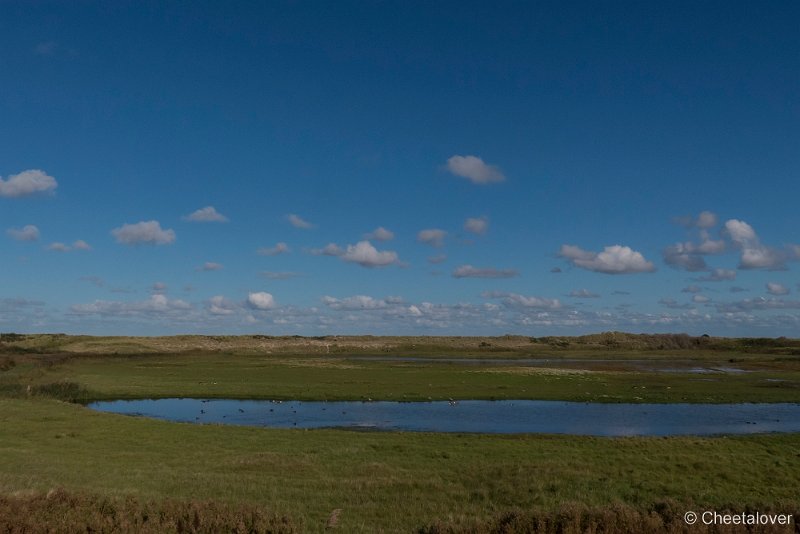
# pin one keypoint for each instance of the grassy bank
(395, 482)
(769, 379)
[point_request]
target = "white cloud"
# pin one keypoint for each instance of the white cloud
(299, 222)
(754, 254)
(515, 300)
(583, 294)
(157, 304)
(261, 300)
(211, 266)
(366, 255)
(207, 214)
(279, 248)
(774, 288)
(439, 258)
(61, 247)
(357, 302)
(689, 256)
(432, 236)
(477, 225)
(761, 303)
(27, 183)
(149, 232)
(159, 287)
(219, 305)
(331, 249)
(692, 289)
(28, 232)
(379, 234)
(682, 255)
(58, 247)
(468, 271)
(700, 299)
(615, 259)
(474, 169)
(706, 219)
(718, 275)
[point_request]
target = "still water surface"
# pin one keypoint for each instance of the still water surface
(496, 417)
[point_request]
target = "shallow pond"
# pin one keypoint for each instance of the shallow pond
(496, 417)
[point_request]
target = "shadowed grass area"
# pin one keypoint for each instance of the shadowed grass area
(395, 482)
(59, 511)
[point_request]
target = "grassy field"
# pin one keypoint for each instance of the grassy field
(294, 480)
(394, 482)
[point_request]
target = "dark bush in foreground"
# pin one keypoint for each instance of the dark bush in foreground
(62, 512)
(663, 518)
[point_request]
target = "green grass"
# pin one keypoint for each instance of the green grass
(395, 482)
(335, 378)
(391, 482)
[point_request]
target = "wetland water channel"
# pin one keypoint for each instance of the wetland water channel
(495, 417)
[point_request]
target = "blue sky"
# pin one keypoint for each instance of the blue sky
(536, 168)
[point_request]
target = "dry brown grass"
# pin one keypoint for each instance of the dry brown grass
(663, 518)
(58, 511)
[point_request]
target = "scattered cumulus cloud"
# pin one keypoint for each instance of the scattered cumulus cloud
(438, 258)
(474, 169)
(159, 287)
(700, 299)
(515, 300)
(157, 304)
(468, 271)
(583, 294)
(207, 214)
(219, 305)
(703, 221)
(758, 304)
(29, 232)
(379, 234)
(80, 244)
(58, 247)
(26, 183)
(477, 225)
(615, 259)
(331, 249)
(774, 288)
(261, 300)
(366, 255)
(432, 236)
(299, 222)
(754, 254)
(692, 289)
(357, 302)
(279, 248)
(144, 232)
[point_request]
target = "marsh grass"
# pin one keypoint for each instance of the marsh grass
(663, 517)
(60, 511)
(384, 482)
